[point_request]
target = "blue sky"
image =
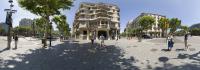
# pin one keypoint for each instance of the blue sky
(186, 10)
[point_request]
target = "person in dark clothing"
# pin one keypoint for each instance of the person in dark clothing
(92, 39)
(61, 38)
(185, 41)
(16, 40)
(170, 43)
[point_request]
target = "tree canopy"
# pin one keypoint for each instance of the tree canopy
(175, 23)
(146, 22)
(163, 24)
(45, 7)
(63, 27)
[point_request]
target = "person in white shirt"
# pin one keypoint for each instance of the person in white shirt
(102, 40)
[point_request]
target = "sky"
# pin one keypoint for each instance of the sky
(188, 11)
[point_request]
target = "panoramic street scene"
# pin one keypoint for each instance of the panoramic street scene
(99, 35)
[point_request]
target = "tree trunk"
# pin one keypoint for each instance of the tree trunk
(46, 32)
(140, 36)
(163, 33)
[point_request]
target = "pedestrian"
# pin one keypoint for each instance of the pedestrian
(185, 41)
(170, 42)
(61, 38)
(92, 39)
(102, 40)
(16, 40)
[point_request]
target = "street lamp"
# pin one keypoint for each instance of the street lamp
(9, 21)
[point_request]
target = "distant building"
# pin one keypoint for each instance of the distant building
(155, 31)
(25, 22)
(97, 19)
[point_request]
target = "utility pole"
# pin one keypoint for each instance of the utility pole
(9, 22)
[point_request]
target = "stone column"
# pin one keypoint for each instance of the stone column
(100, 23)
(88, 35)
(116, 35)
(97, 38)
(108, 25)
(108, 35)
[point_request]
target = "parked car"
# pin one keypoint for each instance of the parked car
(146, 37)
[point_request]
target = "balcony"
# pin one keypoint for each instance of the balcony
(103, 26)
(82, 25)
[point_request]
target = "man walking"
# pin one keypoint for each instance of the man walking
(61, 38)
(92, 39)
(102, 40)
(16, 40)
(185, 41)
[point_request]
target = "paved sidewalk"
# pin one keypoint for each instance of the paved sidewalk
(117, 55)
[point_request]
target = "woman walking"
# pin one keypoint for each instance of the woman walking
(170, 42)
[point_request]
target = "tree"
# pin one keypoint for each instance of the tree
(163, 24)
(2, 31)
(130, 32)
(45, 9)
(175, 23)
(23, 30)
(63, 27)
(39, 26)
(184, 28)
(145, 23)
(25, 22)
(195, 31)
(123, 34)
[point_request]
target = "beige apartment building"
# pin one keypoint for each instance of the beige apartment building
(96, 19)
(155, 31)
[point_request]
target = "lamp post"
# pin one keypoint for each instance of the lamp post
(9, 21)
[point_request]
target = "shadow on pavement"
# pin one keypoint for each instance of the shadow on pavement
(71, 56)
(5, 49)
(194, 65)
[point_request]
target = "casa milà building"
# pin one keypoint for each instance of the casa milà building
(95, 19)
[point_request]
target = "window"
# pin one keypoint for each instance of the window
(89, 8)
(82, 11)
(92, 16)
(118, 19)
(84, 32)
(91, 11)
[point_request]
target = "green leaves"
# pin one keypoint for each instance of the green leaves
(163, 23)
(184, 28)
(23, 30)
(195, 31)
(146, 22)
(63, 27)
(175, 23)
(45, 7)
